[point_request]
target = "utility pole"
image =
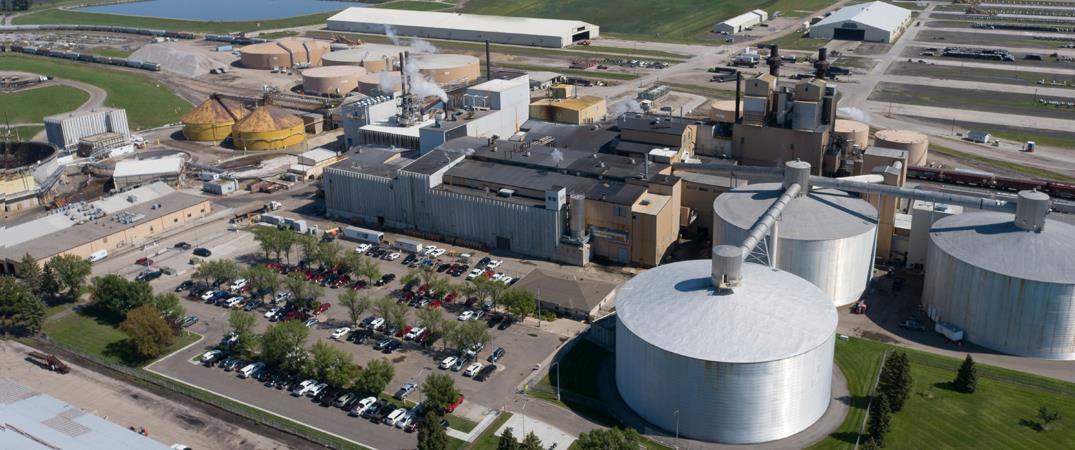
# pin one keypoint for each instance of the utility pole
(676, 413)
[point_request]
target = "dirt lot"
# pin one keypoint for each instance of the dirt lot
(1020, 58)
(979, 74)
(946, 38)
(127, 405)
(999, 102)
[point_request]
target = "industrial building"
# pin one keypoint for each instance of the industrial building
(285, 52)
(333, 80)
(268, 128)
(826, 237)
(124, 220)
(1005, 279)
(742, 22)
(568, 294)
(873, 22)
(464, 27)
(212, 120)
(311, 164)
(65, 130)
(220, 186)
(923, 216)
(28, 172)
(136, 172)
(582, 110)
(35, 421)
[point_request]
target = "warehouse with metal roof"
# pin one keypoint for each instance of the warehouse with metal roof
(530, 31)
(873, 22)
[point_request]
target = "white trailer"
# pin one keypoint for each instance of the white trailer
(952, 332)
(409, 245)
(363, 235)
(98, 255)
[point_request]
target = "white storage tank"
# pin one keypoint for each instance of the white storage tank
(1010, 286)
(826, 236)
(745, 366)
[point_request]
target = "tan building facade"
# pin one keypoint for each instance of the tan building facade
(637, 224)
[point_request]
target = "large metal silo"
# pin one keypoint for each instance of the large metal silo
(826, 236)
(1011, 288)
(739, 367)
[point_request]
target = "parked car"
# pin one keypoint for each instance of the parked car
(233, 302)
(385, 279)
(394, 416)
(144, 261)
(913, 325)
(310, 322)
(344, 399)
(238, 284)
(188, 321)
(251, 304)
(182, 246)
(406, 420)
(184, 285)
(508, 321)
(465, 315)
(383, 411)
(212, 356)
(486, 373)
(376, 323)
(340, 332)
(362, 406)
(363, 248)
(317, 389)
(272, 312)
(454, 405)
(391, 347)
(382, 344)
(231, 364)
(472, 369)
(322, 308)
(303, 387)
(251, 369)
(413, 333)
(461, 362)
(497, 354)
(203, 252)
(405, 390)
(149, 275)
(448, 362)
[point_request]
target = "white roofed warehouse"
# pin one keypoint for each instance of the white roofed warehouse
(741, 22)
(554, 33)
(873, 22)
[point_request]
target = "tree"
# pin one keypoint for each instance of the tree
(520, 302)
(440, 391)
(261, 277)
(532, 442)
(169, 306)
(609, 439)
(21, 312)
(375, 377)
(308, 245)
(468, 334)
(355, 305)
(1047, 418)
(508, 442)
(967, 377)
(328, 254)
(148, 333)
(114, 296)
(330, 364)
(393, 312)
(305, 293)
(66, 274)
(368, 269)
(484, 289)
(879, 422)
(283, 345)
(869, 444)
(266, 239)
(217, 271)
(242, 325)
(30, 273)
(895, 381)
(431, 434)
(433, 321)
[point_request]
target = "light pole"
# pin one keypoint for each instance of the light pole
(676, 413)
(557, 364)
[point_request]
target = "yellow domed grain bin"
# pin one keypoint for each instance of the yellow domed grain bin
(212, 120)
(268, 128)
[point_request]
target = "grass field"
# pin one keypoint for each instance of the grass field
(99, 338)
(278, 34)
(798, 41)
(1032, 172)
(148, 104)
(58, 16)
(970, 99)
(414, 5)
(110, 51)
(644, 19)
(978, 74)
(26, 132)
(460, 423)
(487, 441)
(33, 105)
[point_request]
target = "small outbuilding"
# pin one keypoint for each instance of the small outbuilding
(873, 22)
(220, 186)
(135, 172)
(568, 294)
(980, 137)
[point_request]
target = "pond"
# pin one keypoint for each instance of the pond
(222, 10)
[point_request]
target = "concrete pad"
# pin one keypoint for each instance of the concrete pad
(521, 425)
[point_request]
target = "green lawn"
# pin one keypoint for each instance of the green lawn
(110, 52)
(487, 440)
(644, 19)
(414, 5)
(278, 34)
(33, 105)
(21, 132)
(798, 41)
(148, 104)
(96, 337)
(936, 417)
(58, 16)
(460, 423)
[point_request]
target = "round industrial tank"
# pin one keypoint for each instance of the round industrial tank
(212, 120)
(745, 366)
(826, 236)
(854, 132)
(916, 144)
(448, 69)
(335, 80)
(724, 110)
(268, 128)
(380, 82)
(1010, 289)
(266, 55)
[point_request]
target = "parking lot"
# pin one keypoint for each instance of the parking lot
(525, 346)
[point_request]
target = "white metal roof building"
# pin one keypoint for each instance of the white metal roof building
(741, 22)
(554, 33)
(132, 172)
(874, 22)
(65, 130)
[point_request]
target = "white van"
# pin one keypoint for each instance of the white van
(98, 255)
(251, 369)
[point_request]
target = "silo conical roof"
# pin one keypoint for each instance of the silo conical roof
(215, 110)
(266, 119)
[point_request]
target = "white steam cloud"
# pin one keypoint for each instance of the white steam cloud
(557, 156)
(421, 86)
(416, 44)
(390, 33)
(622, 107)
(386, 82)
(854, 113)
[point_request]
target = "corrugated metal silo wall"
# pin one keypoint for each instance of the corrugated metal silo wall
(1010, 315)
(724, 402)
(840, 267)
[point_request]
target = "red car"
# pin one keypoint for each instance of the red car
(455, 405)
(405, 330)
(434, 304)
(360, 284)
(144, 261)
(448, 298)
(295, 315)
(324, 307)
(422, 289)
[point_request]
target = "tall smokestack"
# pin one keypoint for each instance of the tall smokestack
(488, 63)
(774, 60)
(403, 72)
(821, 67)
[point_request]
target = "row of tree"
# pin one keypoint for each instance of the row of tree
(23, 301)
(597, 439)
(893, 390)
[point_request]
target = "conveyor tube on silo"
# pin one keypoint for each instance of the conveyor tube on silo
(967, 201)
(762, 226)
